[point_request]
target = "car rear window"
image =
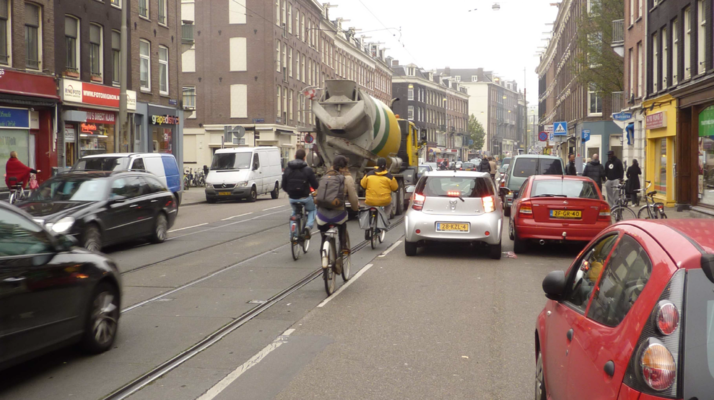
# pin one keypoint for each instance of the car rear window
(699, 341)
(564, 187)
(102, 164)
(550, 166)
(525, 167)
(469, 165)
(440, 186)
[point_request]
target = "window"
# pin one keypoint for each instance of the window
(304, 78)
(640, 69)
(189, 98)
(655, 63)
(116, 57)
(95, 50)
(297, 66)
(411, 113)
(290, 104)
(284, 14)
(33, 36)
(144, 8)
(137, 165)
(5, 32)
(410, 93)
(586, 273)
(20, 236)
(594, 6)
(675, 52)
(594, 102)
(145, 65)
(277, 55)
(701, 38)
(687, 44)
(290, 18)
(285, 106)
(567, 188)
(71, 41)
(116, 3)
(163, 70)
(665, 58)
(623, 279)
(239, 101)
(277, 12)
(632, 12)
(279, 102)
(290, 62)
(162, 12)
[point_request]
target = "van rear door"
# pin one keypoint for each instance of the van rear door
(171, 170)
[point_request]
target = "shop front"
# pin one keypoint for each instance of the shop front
(660, 136)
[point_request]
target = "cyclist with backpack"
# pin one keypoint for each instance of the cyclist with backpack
(298, 178)
(336, 186)
(379, 185)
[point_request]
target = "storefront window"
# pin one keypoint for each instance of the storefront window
(13, 140)
(706, 170)
(162, 138)
(661, 166)
(95, 138)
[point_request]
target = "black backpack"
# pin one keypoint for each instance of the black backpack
(297, 184)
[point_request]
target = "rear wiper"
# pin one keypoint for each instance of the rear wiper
(551, 195)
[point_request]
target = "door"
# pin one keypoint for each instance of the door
(258, 173)
(153, 200)
(124, 215)
(40, 294)
(563, 316)
(456, 195)
(614, 319)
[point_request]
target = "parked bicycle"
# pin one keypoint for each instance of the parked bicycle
(332, 265)
(198, 180)
(651, 209)
(373, 233)
(187, 179)
(621, 211)
(299, 234)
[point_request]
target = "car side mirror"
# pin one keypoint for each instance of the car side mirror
(504, 191)
(66, 242)
(411, 189)
(554, 285)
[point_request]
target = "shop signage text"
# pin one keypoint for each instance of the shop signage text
(14, 118)
(164, 120)
(706, 122)
(100, 117)
(97, 95)
(88, 127)
(69, 134)
(622, 116)
(656, 120)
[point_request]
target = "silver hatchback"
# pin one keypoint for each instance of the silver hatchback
(454, 206)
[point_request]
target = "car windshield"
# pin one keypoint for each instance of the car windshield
(564, 187)
(102, 164)
(550, 166)
(503, 168)
(469, 165)
(227, 161)
(443, 186)
(424, 168)
(65, 188)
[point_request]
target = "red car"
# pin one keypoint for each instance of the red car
(633, 316)
(554, 207)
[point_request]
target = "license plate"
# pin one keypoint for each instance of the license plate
(224, 193)
(566, 214)
(451, 227)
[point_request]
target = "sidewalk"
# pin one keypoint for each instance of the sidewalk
(194, 195)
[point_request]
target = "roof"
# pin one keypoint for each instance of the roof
(562, 177)
(96, 174)
(699, 231)
(243, 149)
(534, 156)
(119, 155)
(460, 173)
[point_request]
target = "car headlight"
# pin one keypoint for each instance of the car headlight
(62, 226)
(243, 184)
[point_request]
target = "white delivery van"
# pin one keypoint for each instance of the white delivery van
(244, 173)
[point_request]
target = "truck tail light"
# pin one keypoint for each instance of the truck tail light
(418, 201)
(525, 210)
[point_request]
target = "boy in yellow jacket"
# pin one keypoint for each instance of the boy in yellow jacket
(379, 185)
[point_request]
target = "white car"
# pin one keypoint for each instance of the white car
(454, 206)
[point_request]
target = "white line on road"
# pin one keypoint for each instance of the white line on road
(230, 378)
(236, 216)
(345, 286)
(224, 225)
(392, 247)
(273, 208)
(188, 227)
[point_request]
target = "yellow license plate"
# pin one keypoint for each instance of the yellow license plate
(449, 227)
(566, 214)
(224, 193)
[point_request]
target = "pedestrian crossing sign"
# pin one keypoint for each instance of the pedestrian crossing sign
(560, 129)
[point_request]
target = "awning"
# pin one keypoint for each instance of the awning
(630, 131)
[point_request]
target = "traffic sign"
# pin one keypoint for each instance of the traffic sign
(586, 135)
(622, 116)
(309, 138)
(543, 136)
(560, 128)
(548, 128)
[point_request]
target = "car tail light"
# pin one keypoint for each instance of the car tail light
(488, 204)
(604, 212)
(666, 317)
(526, 210)
(658, 367)
(418, 201)
(503, 183)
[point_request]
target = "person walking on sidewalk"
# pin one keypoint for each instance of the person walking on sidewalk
(595, 171)
(298, 178)
(633, 182)
(615, 172)
(570, 169)
(493, 168)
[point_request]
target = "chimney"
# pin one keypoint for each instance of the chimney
(395, 63)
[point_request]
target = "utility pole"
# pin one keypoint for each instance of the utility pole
(525, 102)
(123, 119)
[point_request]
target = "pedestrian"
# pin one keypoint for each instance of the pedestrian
(14, 168)
(205, 170)
(633, 182)
(595, 171)
(298, 178)
(615, 173)
(484, 166)
(492, 168)
(570, 169)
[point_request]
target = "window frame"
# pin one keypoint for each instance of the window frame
(116, 3)
(675, 51)
(8, 36)
(100, 50)
(591, 91)
(655, 62)
(116, 60)
(146, 57)
(701, 38)
(39, 29)
(191, 90)
(77, 46)
(687, 43)
(164, 63)
(147, 9)
(664, 76)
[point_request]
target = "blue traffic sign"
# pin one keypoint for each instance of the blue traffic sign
(560, 128)
(586, 135)
(543, 136)
(622, 116)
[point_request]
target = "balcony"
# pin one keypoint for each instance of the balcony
(618, 37)
(619, 102)
(187, 33)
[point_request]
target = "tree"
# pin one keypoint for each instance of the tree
(476, 133)
(594, 64)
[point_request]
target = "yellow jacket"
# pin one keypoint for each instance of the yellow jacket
(379, 186)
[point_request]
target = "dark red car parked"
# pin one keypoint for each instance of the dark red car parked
(557, 207)
(633, 316)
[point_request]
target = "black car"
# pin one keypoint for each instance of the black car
(52, 293)
(100, 208)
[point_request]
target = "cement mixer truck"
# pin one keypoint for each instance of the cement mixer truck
(354, 124)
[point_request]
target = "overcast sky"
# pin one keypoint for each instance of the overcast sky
(436, 34)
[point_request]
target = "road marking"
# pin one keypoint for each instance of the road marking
(236, 216)
(188, 227)
(392, 247)
(224, 225)
(273, 208)
(345, 286)
(230, 378)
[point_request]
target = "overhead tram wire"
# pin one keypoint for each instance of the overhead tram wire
(399, 40)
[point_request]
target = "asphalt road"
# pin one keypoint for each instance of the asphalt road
(450, 323)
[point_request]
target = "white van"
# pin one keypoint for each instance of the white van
(244, 173)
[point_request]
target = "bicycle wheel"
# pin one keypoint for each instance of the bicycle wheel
(346, 259)
(305, 235)
(659, 209)
(382, 235)
(295, 239)
(374, 236)
(644, 214)
(618, 214)
(328, 262)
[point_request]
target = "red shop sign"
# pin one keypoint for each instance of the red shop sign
(656, 120)
(100, 95)
(88, 128)
(100, 117)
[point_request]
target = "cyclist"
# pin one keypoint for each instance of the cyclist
(298, 178)
(379, 185)
(336, 215)
(16, 169)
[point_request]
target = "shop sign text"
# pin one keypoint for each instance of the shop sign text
(656, 120)
(100, 117)
(706, 122)
(164, 120)
(88, 128)
(98, 95)
(14, 118)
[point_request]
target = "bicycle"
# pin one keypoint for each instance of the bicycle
(299, 235)
(187, 179)
(651, 209)
(621, 211)
(373, 233)
(17, 192)
(331, 264)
